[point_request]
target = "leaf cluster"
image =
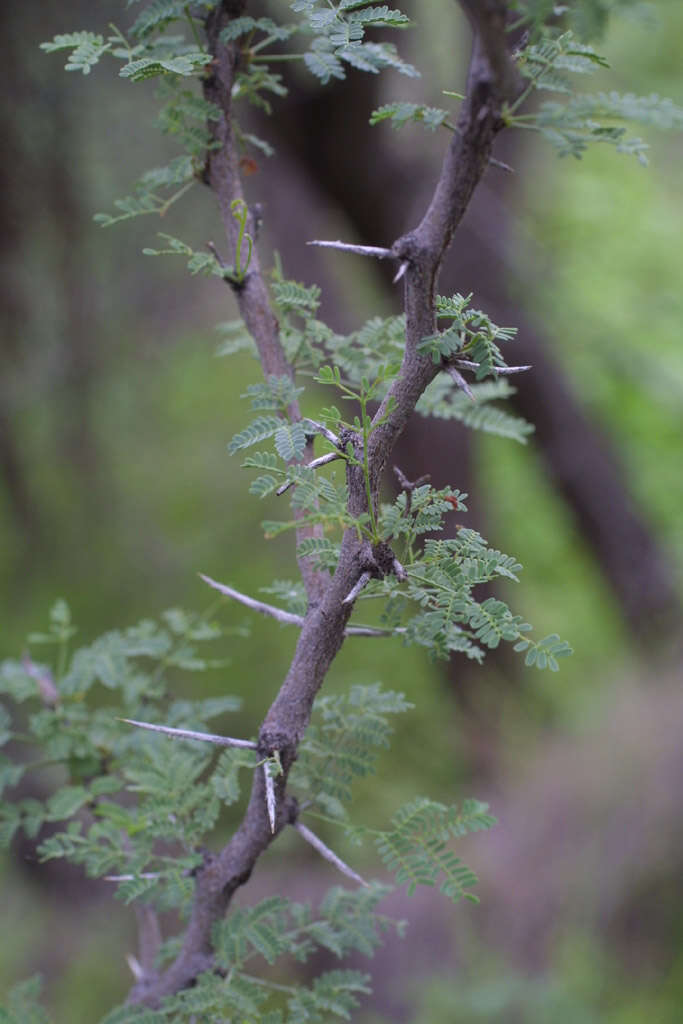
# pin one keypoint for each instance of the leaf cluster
(343, 744)
(471, 334)
(444, 401)
(138, 809)
(126, 797)
(450, 619)
(583, 118)
(338, 37)
(417, 848)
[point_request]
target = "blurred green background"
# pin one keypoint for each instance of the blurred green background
(117, 489)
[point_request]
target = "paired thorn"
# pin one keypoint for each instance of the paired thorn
(257, 606)
(378, 251)
(131, 878)
(452, 370)
(270, 795)
(320, 428)
(322, 460)
(328, 854)
(288, 618)
(400, 272)
(501, 371)
(362, 581)
(135, 967)
(191, 734)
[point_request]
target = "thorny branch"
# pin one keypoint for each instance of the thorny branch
(492, 80)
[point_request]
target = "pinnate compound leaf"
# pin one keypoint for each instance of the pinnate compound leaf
(260, 429)
(86, 47)
(185, 64)
(290, 441)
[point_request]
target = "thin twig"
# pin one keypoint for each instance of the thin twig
(322, 460)
(328, 854)
(410, 485)
(378, 252)
(190, 734)
(357, 587)
(460, 381)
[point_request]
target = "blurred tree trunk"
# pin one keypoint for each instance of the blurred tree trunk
(79, 351)
(45, 343)
(15, 310)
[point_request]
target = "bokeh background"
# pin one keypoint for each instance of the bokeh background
(116, 489)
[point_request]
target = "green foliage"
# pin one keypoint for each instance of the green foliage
(338, 32)
(596, 118)
(416, 849)
(141, 809)
(86, 49)
(197, 262)
(156, 16)
(22, 1005)
(102, 757)
(401, 113)
(571, 126)
(185, 64)
(345, 744)
(444, 401)
(440, 581)
(471, 334)
(178, 175)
